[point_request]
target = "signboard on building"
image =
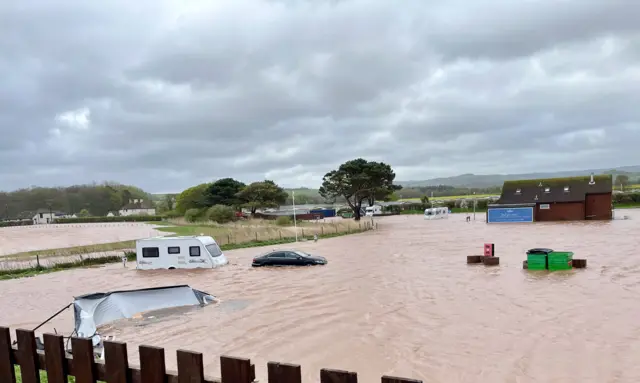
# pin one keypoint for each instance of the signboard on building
(545, 206)
(510, 214)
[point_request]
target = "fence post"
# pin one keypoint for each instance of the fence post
(280, 231)
(321, 230)
(37, 261)
(283, 373)
(29, 359)
(55, 359)
(228, 238)
(303, 232)
(7, 372)
(84, 368)
(190, 367)
(152, 364)
(393, 379)
(116, 362)
(337, 376)
(256, 236)
(235, 370)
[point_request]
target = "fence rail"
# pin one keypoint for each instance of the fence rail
(115, 369)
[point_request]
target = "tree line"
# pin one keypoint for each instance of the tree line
(93, 199)
(219, 200)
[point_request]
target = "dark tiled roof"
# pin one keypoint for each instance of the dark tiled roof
(533, 191)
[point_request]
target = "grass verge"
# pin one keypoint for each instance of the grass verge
(80, 262)
(43, 377)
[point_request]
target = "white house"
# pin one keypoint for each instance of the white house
(44, 216)
(138, 207)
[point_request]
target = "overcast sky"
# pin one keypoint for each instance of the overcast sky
(165, 94)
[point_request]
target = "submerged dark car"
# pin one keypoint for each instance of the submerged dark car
(288, 258)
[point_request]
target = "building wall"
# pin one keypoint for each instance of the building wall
(41, 218)
(598, 206)
(561, 211)
(126, 212)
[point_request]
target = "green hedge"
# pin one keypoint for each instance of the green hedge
(128, 218)
(24, 222)
(626, 198)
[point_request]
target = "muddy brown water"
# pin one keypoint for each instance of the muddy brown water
(398, 301)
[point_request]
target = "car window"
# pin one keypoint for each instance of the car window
(173, 250)
(278, 254)
(291, 255)
(194, 251)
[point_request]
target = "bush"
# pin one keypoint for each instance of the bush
(626, 198)
(171, 214)
(126, 218)
(450, 204)
(221, 214)
(24, 222)
(283, 220)
(482, 204)
(192, 215)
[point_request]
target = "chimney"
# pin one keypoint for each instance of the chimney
(592, 181)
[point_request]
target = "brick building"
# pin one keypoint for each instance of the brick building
(561, 199)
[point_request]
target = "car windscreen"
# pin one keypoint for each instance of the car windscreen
(214, 250)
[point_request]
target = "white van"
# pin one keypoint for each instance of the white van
(370, 211)
(436, 213)
(189, 252)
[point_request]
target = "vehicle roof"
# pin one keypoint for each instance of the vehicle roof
(206, 239)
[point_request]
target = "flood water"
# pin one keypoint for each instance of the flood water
(398, 301)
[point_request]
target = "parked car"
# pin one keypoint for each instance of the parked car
(288, 258)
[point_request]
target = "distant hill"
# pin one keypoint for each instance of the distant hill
(488, 180)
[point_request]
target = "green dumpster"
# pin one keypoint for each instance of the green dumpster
(560, 260)
(537, 259)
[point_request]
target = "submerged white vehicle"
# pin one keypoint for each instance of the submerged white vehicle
(93, 311)
(188, 252)
(436, 213)
(370, 211)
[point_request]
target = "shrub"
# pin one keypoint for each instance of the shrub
(24, 222)
(84, 213)
(126, 218)
(283, 220)
(171, 214)
(192, 215)
(482, 204)
(221, 214)
(450, 204)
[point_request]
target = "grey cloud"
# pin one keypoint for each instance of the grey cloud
(182, 93)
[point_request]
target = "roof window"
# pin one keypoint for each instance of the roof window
(547, 189)
(518, 191)
(566, 189)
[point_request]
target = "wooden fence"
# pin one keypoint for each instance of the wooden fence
(83, 366)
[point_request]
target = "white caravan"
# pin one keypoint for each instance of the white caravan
(436, 213)
(189, 252)
(370, 211)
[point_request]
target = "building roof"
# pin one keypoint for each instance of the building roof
(567, 189)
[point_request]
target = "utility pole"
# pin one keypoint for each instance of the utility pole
(474, 206)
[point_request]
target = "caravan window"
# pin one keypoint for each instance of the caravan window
(194, 251)
(150, 252)
(214, 250)
(173, 250)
